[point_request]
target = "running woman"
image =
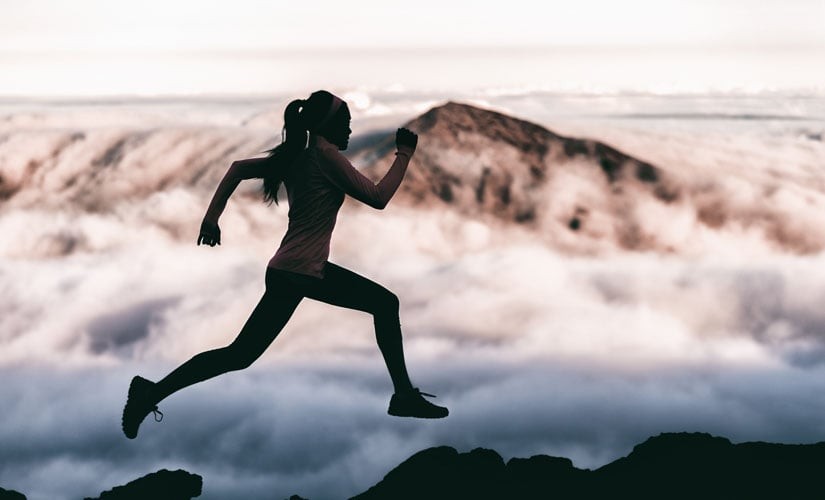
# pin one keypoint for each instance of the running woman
(317, 177)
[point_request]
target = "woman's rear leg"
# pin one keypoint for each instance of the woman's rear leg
(263, 326)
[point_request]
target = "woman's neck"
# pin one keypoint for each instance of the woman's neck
(315, 139)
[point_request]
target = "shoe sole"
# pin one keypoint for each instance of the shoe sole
(131, 395)
(431, 417)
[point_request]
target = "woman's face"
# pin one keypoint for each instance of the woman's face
(338, 131)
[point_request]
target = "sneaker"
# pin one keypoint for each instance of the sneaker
(138, 404)
(412, 404)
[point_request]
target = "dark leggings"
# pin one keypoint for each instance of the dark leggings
(284, 291)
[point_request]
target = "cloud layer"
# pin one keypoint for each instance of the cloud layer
(322, 431)
(533, 351)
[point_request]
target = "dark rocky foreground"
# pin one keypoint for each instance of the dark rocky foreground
(163, 484)
(11, 495)
(677, 465)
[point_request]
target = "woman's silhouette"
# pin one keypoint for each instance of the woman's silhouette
(317, 178)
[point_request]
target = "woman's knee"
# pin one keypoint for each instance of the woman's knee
(238, 358)
(388, 302)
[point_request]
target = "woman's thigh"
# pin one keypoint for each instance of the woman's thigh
(345, 288)
(273, 311)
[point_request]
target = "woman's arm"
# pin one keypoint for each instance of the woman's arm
(238, 171)
(341, 173)
(210, 233)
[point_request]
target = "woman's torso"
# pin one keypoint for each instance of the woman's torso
(313, 208)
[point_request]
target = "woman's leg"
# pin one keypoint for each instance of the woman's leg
(342, 287)
(264, 324)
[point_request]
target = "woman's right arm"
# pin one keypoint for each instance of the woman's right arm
(210, 233)
(238, 171)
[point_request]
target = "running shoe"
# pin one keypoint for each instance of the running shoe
(138, 404)
(412, 404)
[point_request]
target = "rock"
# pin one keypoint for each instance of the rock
(163, 484)
(11, 495)
(698, 465)
(677, 465)
(443, 473)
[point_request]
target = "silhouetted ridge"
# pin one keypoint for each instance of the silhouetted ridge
(680, 465)
(11, 495)
(705, 466)
(163, 484)
(443, 472)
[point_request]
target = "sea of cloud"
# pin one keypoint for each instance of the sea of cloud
(533, 351)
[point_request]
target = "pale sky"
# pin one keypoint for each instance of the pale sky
(208, 47)
(93, 25)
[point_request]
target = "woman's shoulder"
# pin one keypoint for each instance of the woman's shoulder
(312, 155)
(324, 150)
(311, 161)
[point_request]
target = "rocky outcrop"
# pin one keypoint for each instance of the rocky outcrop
(11, 495)
(704, 466)
(163, 484)
(680, 465)
(671, 465)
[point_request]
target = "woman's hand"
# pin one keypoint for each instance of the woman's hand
(210, 234)
(405, 138)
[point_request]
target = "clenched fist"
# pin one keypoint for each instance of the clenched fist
(405, 137)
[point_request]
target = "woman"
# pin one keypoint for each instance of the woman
(317, 178)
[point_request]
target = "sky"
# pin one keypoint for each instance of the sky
(94, 48)
(101, 48)
(93, 25)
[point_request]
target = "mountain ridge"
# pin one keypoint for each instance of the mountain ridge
(483, 162)
(583, 196)
(579, 196)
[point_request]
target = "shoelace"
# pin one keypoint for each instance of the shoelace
(157, 412)
(423, 393)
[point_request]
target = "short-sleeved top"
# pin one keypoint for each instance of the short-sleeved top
(316, 184)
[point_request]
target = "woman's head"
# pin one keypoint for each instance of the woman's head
(321, 114)
(337, 129)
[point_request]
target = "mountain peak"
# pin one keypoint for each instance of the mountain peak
(580, 193)
(454, 118)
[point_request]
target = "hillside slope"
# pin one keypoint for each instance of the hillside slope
(582, 194)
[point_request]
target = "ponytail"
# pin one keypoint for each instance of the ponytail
(299, 116)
